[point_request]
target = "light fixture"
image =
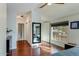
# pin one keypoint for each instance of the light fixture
(49, 4)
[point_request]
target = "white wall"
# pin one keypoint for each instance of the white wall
(11, 23)
(36, 17)
(45, 27)
(74, 33)
(3, 18)
(28, 29)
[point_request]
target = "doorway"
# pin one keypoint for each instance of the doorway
(20, 31)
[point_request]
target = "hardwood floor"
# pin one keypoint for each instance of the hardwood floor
(23, 48)
(48, 49)
(44, 49)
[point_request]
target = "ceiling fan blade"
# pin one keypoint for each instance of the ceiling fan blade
(59, 3)
(47, 3)
(43, 5)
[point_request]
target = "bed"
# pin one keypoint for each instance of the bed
(69, 52)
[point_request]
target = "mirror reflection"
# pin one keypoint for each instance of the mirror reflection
(36, 32)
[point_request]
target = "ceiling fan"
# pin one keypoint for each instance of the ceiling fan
(47, 4)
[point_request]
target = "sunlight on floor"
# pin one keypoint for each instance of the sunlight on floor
(48, 48)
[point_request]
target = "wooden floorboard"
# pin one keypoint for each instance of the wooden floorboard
(24, 49)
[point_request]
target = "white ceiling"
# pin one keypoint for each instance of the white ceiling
(22, 8)
(59, 10)
(51, 11)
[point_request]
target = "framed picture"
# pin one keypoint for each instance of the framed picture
(74, 25)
